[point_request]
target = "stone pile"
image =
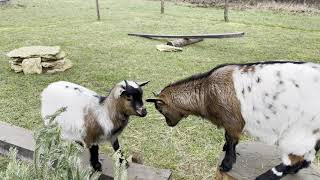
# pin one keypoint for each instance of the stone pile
(39, 59)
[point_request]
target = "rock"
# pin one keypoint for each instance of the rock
(57, 66)
(15, 66)
(255, 158)
(58, 56)
(48, 52)
(32, 66)
(167, 48)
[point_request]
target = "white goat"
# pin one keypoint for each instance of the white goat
(91, 119)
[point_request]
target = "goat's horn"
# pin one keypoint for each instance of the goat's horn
(125, 81)
(155, 94)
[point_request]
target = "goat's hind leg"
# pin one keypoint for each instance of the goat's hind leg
(94, 158)
(291, 165)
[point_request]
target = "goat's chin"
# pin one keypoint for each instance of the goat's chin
(170, 124)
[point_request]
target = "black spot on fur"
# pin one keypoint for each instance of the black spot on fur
(285, 106)
(317, 147)
(258, 80)
(101, 98)
(295, 83)
(258, 122)
(267, 117)
(270, 106)
(243, 92)
(274, 130)
(253, 108)
(280, 82)
(266, 94)
(316, 131)
(278, 74)
(313, 118)
(77, 89)
(67, 86)
(275, 97)
(249, 88)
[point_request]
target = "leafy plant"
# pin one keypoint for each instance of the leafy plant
(53, 158)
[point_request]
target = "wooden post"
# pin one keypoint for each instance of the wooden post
(226, 8)
(162, 6)
(98, 10)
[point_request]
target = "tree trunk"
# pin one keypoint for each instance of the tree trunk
(162, 6)
(226, 9)
(98, 11)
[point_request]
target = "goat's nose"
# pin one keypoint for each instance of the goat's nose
(143, 112)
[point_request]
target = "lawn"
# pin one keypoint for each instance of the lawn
(103, 54)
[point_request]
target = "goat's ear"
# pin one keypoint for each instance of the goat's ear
(155, 100)
(120, 92)
(143, 83)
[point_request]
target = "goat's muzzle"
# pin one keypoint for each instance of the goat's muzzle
(142, 112)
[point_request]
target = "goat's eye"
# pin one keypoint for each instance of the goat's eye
(129, 98)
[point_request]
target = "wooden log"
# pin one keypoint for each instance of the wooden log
(22, 139)
(202, 36)
(183, 42)
(255, 158)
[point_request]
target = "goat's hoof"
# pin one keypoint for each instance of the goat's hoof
(225, 166)
(97, 166)
(268, 176)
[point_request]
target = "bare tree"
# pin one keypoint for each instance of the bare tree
(162, 6)
(98, 10)
(226, 9)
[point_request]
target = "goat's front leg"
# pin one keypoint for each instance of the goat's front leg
(94, 158)
(230, 155)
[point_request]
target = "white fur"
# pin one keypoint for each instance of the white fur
(123, 84)
(77, 99)
(284, 107)
(276, 172)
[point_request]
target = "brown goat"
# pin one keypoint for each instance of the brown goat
(253, 98)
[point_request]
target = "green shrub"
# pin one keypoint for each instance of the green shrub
(53, 159)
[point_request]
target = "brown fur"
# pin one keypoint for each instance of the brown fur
(248, 68)
(94, 130)
(118, 111)
(294, 159)
(212, 97)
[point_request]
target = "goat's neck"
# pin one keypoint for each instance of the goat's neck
(118, 117)
(189, 98)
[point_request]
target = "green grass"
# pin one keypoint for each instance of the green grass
(103, 54)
